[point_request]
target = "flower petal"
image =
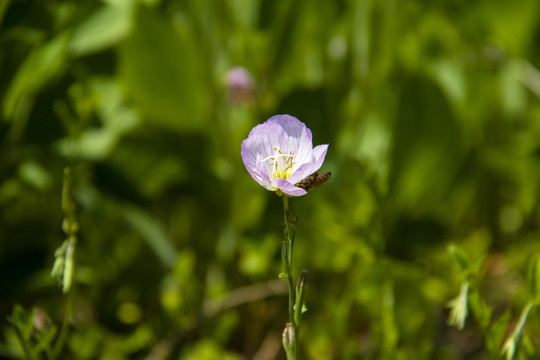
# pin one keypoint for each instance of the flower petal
(260, 145)
(293, 127)
(249, 157)
(288, 188)
(298, 139)
(264, 175)
(319, 153)
(263, 138)
(254, 165)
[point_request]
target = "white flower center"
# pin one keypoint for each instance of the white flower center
(281, 164)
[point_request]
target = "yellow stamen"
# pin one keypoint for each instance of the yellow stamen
(281, 169)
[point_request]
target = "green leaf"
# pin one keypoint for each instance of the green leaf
(162, 69)
(512, 343)
(117, 119)
(22, 322)
(495, 334)
(45, 340)
(105, 28)
(153, 232)
(22, 319)
(459, 256)
(459, 307)
(534, 278)
(42, 65)
(480, 309)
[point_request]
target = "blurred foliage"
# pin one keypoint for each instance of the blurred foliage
(432, 113)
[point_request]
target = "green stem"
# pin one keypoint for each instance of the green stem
(28, 354)
(64, 331)
(288, 266)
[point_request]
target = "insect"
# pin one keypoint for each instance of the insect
(313, 180)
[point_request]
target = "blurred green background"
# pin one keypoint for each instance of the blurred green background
(432, 113)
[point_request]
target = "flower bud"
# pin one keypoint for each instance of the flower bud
(240, 85)
(302, 283)
(288, 340)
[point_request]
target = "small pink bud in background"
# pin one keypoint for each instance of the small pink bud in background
(240, 86)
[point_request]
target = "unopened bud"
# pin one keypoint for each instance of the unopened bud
(302, 283)
(288, 340)
(241, 86)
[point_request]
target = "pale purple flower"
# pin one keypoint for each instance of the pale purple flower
(240, 85)
(279, 153)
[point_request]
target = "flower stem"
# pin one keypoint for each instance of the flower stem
(287, 256)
